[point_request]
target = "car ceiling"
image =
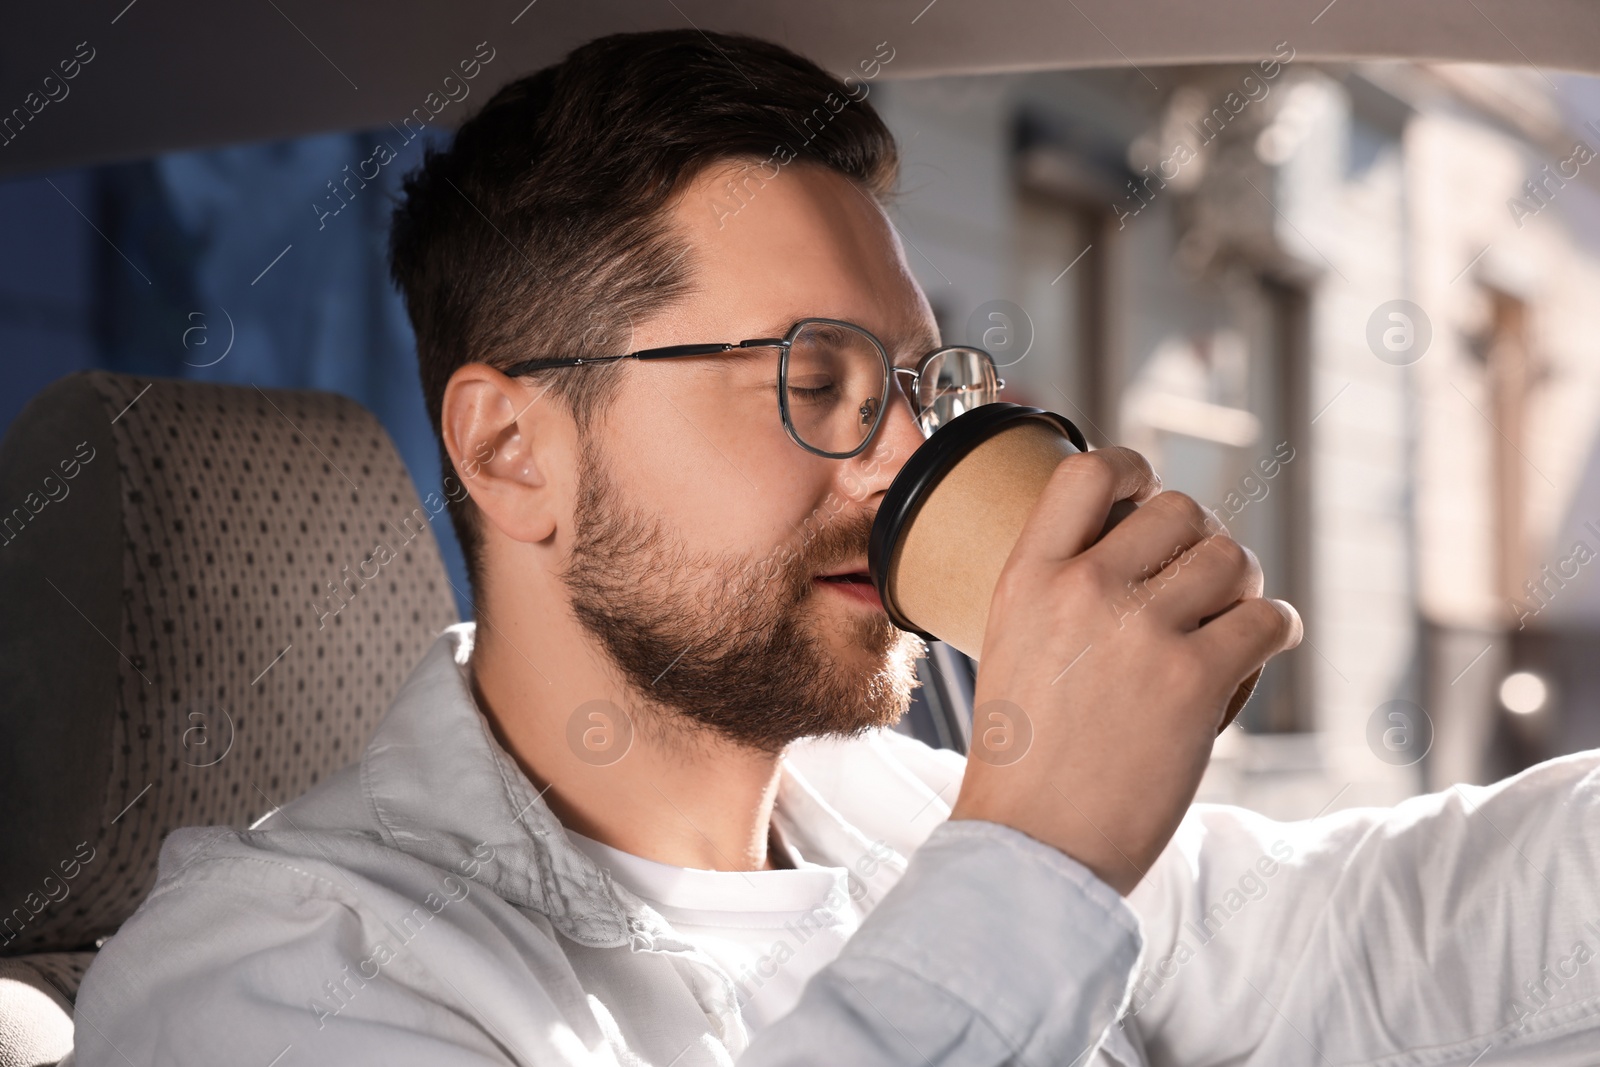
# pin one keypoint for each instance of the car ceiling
(177, 74)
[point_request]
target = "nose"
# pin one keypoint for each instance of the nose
(897, 436)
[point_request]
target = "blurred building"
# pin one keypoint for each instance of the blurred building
(1350, 310)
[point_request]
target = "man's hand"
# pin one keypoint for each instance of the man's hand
(1099, 692)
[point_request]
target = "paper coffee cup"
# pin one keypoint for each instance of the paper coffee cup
(951, 517)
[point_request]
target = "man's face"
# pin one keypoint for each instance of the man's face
(700, 527)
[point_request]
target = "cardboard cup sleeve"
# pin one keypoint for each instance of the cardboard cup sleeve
(951, 517)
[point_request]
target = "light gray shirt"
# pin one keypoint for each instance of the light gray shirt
(424, 906)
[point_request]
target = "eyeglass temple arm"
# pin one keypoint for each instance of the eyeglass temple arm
(680, 350)
(666, 352)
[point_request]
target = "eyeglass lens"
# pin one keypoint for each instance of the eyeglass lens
(836, 383)
(956, 380)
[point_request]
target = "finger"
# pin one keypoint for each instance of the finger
(1203, 580)
(1072, 509)
(1248, 634)
(1139, 481)
(1158, 531)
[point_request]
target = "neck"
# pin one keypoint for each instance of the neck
(671, 793)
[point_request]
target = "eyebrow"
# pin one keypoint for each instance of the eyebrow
(919, 341)
(779, 329)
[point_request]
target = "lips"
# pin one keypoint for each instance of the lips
(848, 573)
(854, 585)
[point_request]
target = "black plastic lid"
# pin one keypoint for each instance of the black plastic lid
(925, 469)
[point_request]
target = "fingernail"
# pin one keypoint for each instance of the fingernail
(1293, 618)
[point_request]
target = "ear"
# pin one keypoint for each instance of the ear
(501, 437)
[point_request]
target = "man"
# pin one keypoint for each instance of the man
(647, 810)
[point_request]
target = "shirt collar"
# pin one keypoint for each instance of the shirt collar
(445, 791)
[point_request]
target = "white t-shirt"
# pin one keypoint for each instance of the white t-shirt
(770, 930)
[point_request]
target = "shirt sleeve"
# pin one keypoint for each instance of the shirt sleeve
(259, 962)
(1449, 926)
(993, 948)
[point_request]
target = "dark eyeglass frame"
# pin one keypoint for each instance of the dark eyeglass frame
(783, 345)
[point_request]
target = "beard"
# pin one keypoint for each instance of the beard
(723, 645)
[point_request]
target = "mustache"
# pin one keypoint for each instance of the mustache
(821, 542)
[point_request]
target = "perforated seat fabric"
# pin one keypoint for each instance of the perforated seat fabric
(212, 593)
(60, 973)
(35, 1016)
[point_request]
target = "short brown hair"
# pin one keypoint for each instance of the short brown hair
(541, 229)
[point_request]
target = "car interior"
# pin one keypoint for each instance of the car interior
(231, 525)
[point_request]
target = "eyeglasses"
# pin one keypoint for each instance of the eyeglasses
(834, 378)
